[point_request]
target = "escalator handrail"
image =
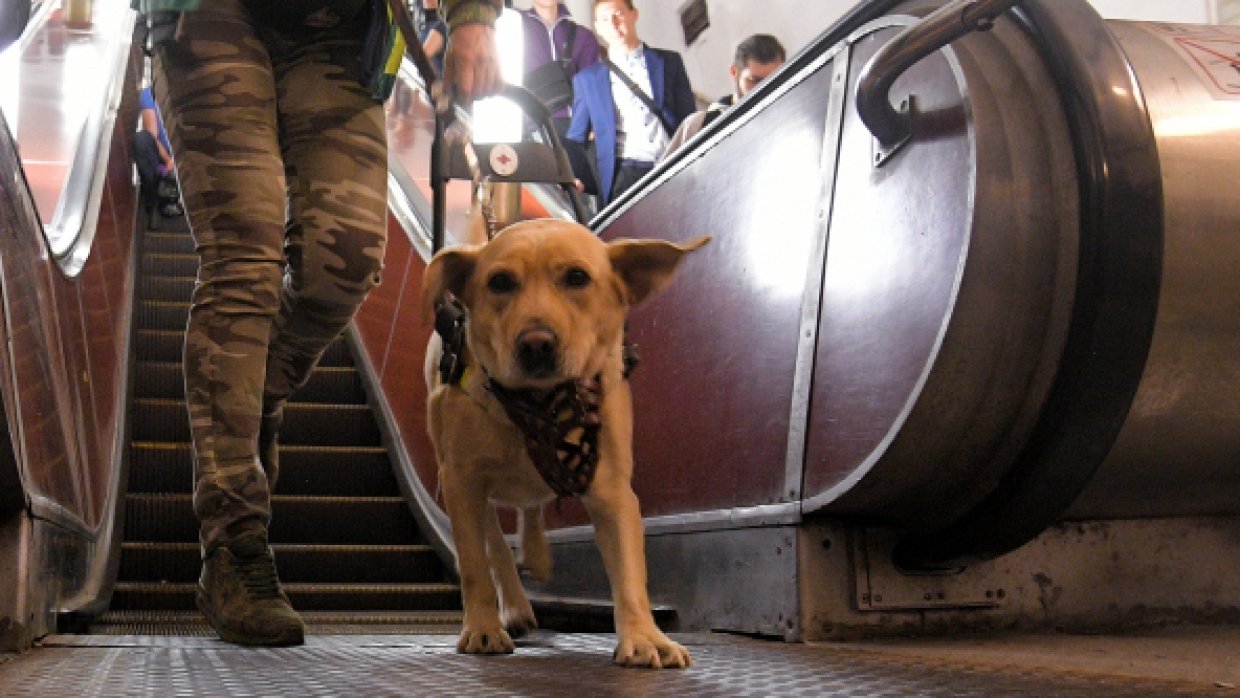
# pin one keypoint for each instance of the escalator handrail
(861, 14)
(893, 128)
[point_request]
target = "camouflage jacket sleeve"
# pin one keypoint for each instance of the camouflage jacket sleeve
(458, 12)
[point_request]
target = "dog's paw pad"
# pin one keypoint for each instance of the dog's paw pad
(659, 653)
(482, 642)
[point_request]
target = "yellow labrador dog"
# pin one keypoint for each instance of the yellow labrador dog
(543, 334)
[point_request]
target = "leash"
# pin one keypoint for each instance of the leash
(449, 131)
(445, 137)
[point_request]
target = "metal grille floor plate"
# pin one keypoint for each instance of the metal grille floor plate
(545, 664)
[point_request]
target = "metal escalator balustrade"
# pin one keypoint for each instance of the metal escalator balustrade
(348, 550)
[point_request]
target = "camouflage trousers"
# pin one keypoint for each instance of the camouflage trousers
(282, 158)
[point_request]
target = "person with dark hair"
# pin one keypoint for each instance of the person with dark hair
(756, 57)
(631, 103)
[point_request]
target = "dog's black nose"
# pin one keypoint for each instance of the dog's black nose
(537, 352)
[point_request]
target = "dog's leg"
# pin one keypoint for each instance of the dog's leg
(483, 633)
(514, 608)
(617, 522)
(535, 553)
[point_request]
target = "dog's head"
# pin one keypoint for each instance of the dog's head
(547, 299)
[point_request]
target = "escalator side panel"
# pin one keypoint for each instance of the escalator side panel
(949, 287)
(899, 235)
(714, 392)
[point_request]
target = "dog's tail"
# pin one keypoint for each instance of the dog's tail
(535, 552)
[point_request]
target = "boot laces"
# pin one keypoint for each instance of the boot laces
(259, 575)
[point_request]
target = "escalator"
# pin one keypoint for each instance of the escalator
(908, 359)
(348, 550)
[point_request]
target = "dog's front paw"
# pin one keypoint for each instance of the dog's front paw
(519, 622)
(651, 650)
(495, 641)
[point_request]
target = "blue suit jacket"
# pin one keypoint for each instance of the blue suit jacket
(595, 110)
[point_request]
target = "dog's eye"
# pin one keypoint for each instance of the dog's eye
(577, 278)
(502, 282)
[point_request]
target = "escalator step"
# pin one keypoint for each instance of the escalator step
(169, 263)
(349, 471)
(161, 315)
(166, 288)
(159, 419)
(334, 384)
(295, 519)
(307, 597)
(349, 551)
(182, 243)
(169, 345)
(318, 564)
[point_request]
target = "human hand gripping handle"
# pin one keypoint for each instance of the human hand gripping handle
(471, 66)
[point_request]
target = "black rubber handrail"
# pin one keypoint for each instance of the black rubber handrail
(891, 127)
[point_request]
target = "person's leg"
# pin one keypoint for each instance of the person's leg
(628, 174)
(146, 159)
(335, 152)
(216, 92)
(583, 168)
(218, 99)
(169, 196)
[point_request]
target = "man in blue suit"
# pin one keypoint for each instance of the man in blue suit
(629, 136)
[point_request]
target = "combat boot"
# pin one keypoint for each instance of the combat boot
(240, 595)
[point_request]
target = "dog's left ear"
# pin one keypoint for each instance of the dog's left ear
(449, 271)
(646, 266)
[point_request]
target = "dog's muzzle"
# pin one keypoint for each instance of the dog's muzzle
(538, 352)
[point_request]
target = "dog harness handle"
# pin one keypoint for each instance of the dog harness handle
(450, 316)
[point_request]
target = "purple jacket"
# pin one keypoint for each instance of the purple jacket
(539, 49)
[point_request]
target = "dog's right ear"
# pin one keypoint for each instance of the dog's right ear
(449, 271)
(645, 266)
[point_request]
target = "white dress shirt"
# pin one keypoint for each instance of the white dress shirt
(639, 133)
